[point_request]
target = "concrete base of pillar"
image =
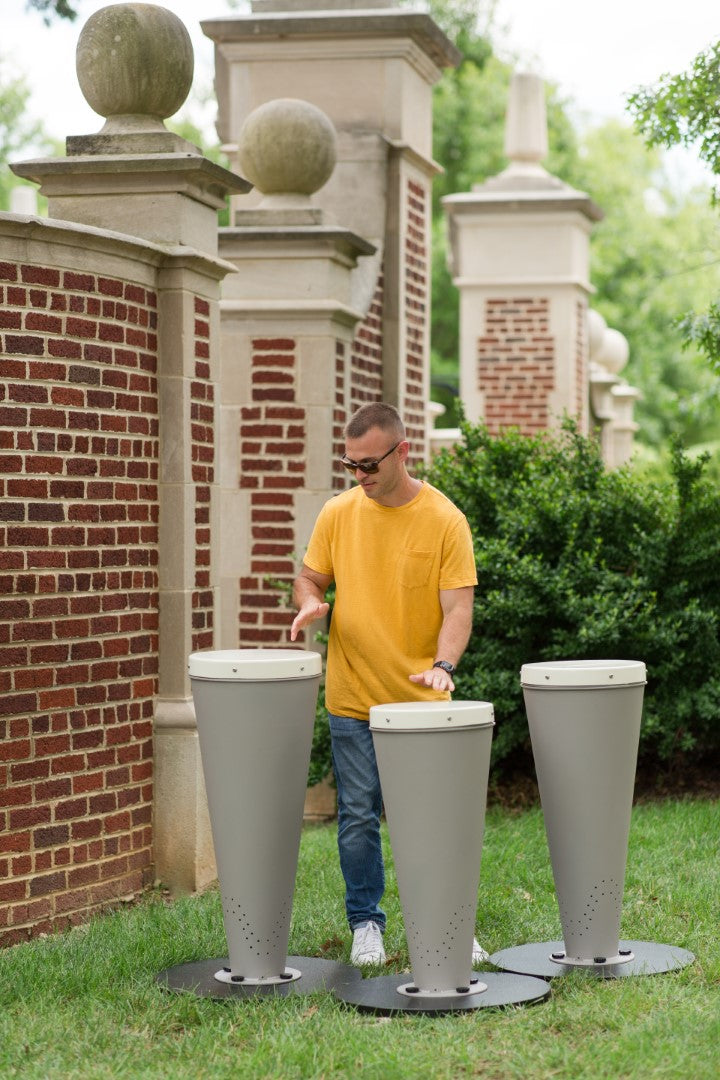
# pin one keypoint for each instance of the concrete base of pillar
(184, 853)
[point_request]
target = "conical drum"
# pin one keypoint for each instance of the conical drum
(584, 719)
(255, 713)
(434, 760)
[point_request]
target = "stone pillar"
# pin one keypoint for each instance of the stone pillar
(287, 319)
(624, 427)
(612, 400)
(135, 177)
(371, 68)
(519, 254)
(602, 381)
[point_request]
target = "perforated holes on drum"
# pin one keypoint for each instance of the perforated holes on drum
(604, 893)
(255, 943)
(435, 954)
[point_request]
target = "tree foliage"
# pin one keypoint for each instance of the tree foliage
(469, 105)
(654, 258)
(17, 130)
(577, 562)
(62, 9)
(705, 331)
(682, 110)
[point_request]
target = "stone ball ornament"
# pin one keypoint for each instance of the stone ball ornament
(134, 60)
(287, 146)
(597, 328)
(614, 351)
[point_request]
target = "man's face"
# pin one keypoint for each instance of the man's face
(372, 446)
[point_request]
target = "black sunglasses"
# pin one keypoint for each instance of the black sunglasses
(370, 465)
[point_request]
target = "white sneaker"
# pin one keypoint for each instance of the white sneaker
(479, 956)
(367, 946)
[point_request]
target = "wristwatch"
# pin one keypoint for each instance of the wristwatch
(446, 666)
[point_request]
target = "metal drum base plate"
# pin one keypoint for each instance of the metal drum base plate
(225, 975)
(649, 958)
(473, 987)
(381, 995)
(315, 974)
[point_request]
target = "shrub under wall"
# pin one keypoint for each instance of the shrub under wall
(575, 561)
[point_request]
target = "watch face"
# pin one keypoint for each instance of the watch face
(445, 665)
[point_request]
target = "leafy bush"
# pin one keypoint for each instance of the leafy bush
(321, 753)
(579, 562)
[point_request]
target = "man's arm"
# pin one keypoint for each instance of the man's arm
(309, 596)
(457, 608)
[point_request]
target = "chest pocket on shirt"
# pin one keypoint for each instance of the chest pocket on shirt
(414, 568)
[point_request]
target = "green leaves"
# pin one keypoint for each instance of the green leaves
(704, 331)
(655, 254)
(62, 9)
(682, 109)
(575, 561)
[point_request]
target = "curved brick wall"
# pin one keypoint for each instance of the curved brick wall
(79, 596)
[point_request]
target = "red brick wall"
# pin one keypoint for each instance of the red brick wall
(272, 469)
(366, 359)
(202, 450)
(516, 364)
(79, 595)
(415, 298)
(341, 414)
(366, 356)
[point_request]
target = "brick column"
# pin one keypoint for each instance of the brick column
(287, 330)
(372, 72)
(78, 573)
(273, 432)
(284, 405)
(137, 178)
(520, 259)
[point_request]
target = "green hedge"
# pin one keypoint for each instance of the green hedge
(577, 561)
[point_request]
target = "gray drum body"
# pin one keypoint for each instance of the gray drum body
(434, 760)
(255, 713)
(584, 718)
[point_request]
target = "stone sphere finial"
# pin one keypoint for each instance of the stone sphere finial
(597, 328)
(614, 351)
(287, 147)
(133, 61)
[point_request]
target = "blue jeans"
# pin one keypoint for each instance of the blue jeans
(359, 807)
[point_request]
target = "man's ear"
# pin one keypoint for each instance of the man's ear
(404, 450)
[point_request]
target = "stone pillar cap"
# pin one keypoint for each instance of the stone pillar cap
(287, 149)
(287, 146)
(261, 6)
(135, 67)
(525, 181)
(613, 351)
(375, 22)
(526, 137)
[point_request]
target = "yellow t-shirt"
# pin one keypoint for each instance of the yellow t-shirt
(389, 564)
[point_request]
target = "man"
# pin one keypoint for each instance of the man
(401, 556)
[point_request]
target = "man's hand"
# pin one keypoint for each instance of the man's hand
(309, 612)
(434, 679)
(308, 593)
(457, 605)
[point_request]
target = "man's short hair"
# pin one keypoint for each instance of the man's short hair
(375, 414)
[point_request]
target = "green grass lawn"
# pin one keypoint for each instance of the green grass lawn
(85, 1004)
